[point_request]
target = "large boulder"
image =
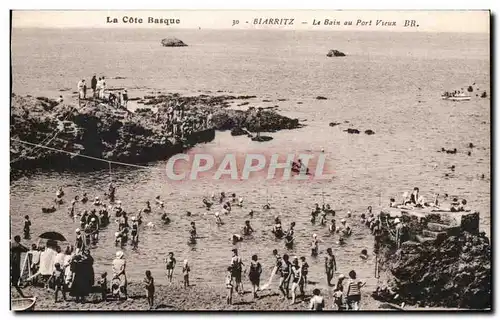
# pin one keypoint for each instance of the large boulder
(335, 53)
(172, 42)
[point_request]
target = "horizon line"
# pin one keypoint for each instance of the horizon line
(166, 28)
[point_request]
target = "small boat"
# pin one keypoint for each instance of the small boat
(24, 304)
(456, 98)
(262, 138)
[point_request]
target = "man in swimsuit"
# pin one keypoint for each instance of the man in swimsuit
(237, 269)
(135, 231)
(170, 265)
(289, 236)
(296, 271)
(285, 270)
(330, 266)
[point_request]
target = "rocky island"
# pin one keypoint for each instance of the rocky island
(335, 53)
(172, 42)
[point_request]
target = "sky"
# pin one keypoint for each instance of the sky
(425, 21)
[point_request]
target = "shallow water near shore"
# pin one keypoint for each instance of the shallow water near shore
(389, 83)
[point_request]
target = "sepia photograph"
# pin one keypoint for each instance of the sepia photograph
(250, 160)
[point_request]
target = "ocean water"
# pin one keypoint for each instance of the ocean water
(389, 82)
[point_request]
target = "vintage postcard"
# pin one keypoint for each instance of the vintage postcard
(250, 160)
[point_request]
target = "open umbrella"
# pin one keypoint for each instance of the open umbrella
(52, 235)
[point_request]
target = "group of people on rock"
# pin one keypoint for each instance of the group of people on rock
(99, 91)
(182, 121)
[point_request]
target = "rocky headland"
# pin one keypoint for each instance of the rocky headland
(101, 130)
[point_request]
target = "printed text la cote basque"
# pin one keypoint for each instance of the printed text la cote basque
(140, 20)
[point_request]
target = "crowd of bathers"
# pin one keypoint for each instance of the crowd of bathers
(293, 271)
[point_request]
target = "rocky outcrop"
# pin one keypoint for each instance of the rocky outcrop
(352, 131)
(97, 129)
(94, 129)
(335, 53)
(453, 273)
(253, 120)
(443, 260)
(172, 42)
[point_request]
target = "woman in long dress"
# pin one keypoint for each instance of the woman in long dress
(119, 266)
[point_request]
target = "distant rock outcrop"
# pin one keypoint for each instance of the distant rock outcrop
(335, 53)
(172, 42)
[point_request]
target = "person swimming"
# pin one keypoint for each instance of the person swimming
(135, 230)
(322, 221)
(165, 218)
(159, 203)
(364, 254)
(277, 229)
(414, 196)
(314, 214)
(289, 239)
(148, 207)
(314, 246)
(267, 206)
(85, 198)
(207, 204)
(236, 238)
(59, 192)
(247, 229)
(251, 213)
(218, 220)
(341, 241)
(97, 202)
(332, 227)
(240, 202)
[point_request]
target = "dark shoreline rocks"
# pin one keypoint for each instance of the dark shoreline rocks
(439, 263)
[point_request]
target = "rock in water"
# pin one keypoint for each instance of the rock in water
(335, 53)
(352, 131)
(172, 42)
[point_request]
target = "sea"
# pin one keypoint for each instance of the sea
(388, 82)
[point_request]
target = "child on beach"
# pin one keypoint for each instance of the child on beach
(338, 299)
(317, 302)
(150, 288)
(103, 285)
(229, 285)
(353, 296)
(185, 271)
(170, 265)
(58, 276)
